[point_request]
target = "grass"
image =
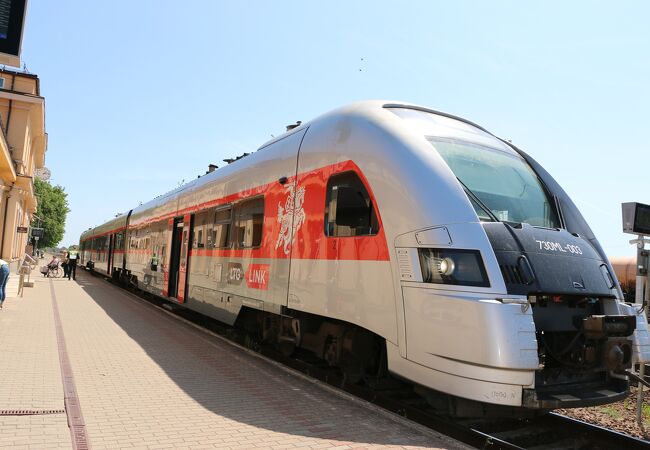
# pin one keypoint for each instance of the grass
(645, 415)
(631, 405)
(611, 412)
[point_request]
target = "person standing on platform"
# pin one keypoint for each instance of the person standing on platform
(72, 265)
(4, 277)
(66, 264)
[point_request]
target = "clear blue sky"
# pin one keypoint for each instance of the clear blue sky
(143, 94)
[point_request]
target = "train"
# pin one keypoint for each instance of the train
(395, 241)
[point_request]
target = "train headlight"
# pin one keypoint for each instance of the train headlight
(459, 267)
(446, 266)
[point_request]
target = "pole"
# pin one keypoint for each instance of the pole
(641, 297)
(36, 238)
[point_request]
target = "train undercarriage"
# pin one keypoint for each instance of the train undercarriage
(583, 355)
(583, 352)
(358, 353)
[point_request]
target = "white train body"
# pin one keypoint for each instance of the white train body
(301, 245)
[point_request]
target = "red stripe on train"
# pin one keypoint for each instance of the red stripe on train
(309, 241)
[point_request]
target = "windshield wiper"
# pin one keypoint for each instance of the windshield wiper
(478, 201)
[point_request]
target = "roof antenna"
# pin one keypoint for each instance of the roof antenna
(294, 125)
(236, 158)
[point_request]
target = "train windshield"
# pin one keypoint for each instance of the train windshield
(501, 186)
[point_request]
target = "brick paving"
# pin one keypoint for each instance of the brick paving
(30, 375)
(146, 380)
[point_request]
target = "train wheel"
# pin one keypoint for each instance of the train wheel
(361, 355)
(286, 347)
(252, 343)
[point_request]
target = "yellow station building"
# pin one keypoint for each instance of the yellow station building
(23, 143)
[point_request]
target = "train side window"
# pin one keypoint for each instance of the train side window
(249, 223)
(119, 240)
(348, 208)
(202, 228)
(220, 234)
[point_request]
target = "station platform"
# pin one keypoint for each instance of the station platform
(85, 364)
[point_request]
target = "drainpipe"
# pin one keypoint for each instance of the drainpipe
(4, 222)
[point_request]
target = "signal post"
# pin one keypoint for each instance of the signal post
(636, 220)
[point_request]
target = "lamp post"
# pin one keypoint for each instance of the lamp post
(36, 238)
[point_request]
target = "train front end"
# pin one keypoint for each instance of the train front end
(520, 307)
(585, 338)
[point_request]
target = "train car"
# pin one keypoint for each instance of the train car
(388, 236)
(102, 248)
(86, 247)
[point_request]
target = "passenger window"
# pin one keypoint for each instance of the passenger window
(202, 228)
(249, 223)
(348, 208)
(119, 241)
(219, 236)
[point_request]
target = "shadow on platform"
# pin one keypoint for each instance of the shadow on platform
(238, 386)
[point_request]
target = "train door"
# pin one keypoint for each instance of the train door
(180, 242)
(111, 243)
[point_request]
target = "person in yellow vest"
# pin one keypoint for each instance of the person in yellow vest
(4, 277)
(73, 257)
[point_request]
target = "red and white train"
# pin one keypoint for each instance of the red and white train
(385, 236)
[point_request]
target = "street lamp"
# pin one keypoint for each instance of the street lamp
(37, 233)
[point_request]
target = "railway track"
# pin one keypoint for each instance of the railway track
(551, 431)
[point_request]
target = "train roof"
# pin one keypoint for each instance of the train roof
(112, 225)
(370, 111)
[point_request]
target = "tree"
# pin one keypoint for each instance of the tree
(52, 210)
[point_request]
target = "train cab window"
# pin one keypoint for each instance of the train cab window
(249, 220)
(220, 233)
(348, 208)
